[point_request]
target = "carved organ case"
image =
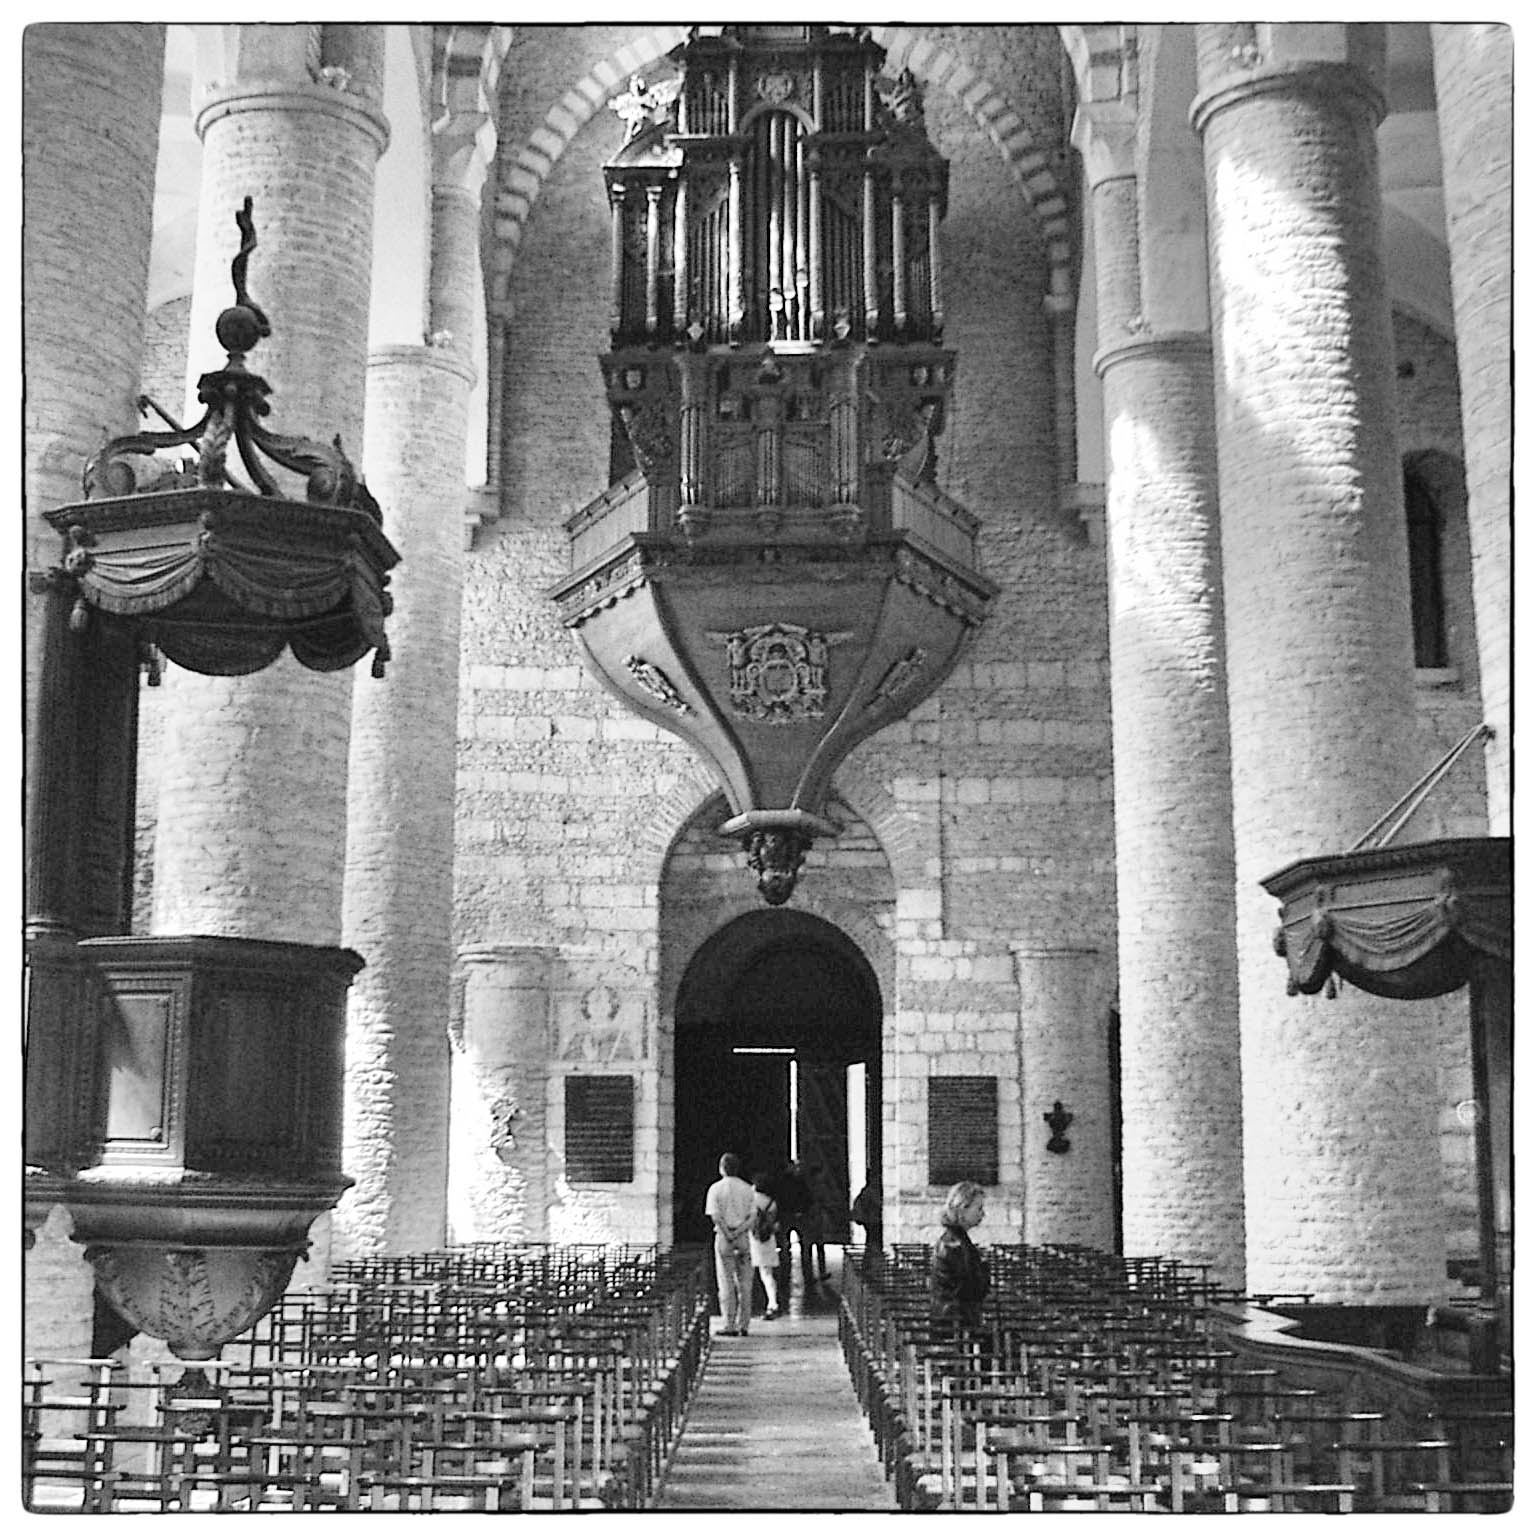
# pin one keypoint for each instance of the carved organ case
(774, 572)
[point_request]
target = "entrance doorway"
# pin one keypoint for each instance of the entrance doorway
(777, 1054)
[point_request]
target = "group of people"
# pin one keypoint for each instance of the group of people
(756, 1225)
(755, 1222)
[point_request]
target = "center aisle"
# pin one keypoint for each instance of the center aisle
(774, 1424)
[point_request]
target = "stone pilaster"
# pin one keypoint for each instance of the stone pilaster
(1474, 84)
(1339, 1096)
(252, 813)
(84, 282)
(1182, 1130)
(500, 1087)
(1064, 1059)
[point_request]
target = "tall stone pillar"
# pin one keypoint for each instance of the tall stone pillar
(84, 278)
(90, 126)
(1474, 84)
(399, 895)
(500, 1186)
(1182, 1129)
(1340, 1147)
(1064, 1069)
(252, 821)
(398, 909)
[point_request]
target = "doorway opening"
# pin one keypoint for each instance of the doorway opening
(777, 1047)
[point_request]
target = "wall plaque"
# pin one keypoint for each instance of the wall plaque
(599, 1130)
(962, 1130)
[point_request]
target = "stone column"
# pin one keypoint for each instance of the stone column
(1064, 1058)
(1340, 1154)
(398, 909)
(90, 130)
(84, 276)
(499, 1184)
(399, 894)
(252, 812)
(1182, 1128)
(1474, 84)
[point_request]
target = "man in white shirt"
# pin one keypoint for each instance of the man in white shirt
(729, 1205)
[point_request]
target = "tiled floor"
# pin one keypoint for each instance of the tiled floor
(774, 1423)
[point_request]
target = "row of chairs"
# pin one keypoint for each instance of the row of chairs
(498, 1377)
(1105, 1383)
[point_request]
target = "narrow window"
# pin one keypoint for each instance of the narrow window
(1426, 585)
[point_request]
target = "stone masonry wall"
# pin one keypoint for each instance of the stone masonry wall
(999, 782)
(1448, 706)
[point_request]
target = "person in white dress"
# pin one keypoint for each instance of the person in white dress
(764, 1243)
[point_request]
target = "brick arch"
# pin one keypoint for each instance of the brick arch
(898, 831)
(522, 174)
(675, 812)
(681, 932)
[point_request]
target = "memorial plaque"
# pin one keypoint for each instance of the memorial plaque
(599, 1130)
(962, 1130)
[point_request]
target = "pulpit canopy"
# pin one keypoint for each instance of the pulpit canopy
(1404, 921)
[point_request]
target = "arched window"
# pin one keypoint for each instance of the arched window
(1426, 581)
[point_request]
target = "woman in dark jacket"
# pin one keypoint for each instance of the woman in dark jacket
(957, 1278)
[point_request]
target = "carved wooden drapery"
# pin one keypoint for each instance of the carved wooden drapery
(222, 581)
(1402, 921)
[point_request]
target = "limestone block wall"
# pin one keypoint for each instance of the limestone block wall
(562, 794)
(705, 886)
(1474, 78)
(1000, 781)
(1448, 705)
(1064, 1055)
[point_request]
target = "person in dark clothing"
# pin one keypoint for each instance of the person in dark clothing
(958, 1280)
(793, 1194)
(865, 1212)
(813, 1227)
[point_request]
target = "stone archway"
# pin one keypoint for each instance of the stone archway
(777, 1011)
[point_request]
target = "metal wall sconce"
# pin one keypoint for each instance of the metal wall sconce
(1058, 1119)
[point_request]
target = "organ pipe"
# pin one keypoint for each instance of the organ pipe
(898, 264)
(871, 293)
(738, 306)
(773, 206)
(680, 316)
(616, 252)
(802, 243)
(818, 315)
(652, 258)
(935, 290)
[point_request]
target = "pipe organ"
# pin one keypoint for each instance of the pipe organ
(788, 194)
(774, 572)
